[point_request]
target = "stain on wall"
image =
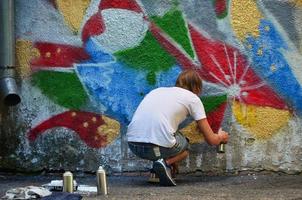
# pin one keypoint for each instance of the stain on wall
(86, 65)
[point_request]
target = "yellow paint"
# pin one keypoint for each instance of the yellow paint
(73, 12)
(273, 68)
(245, 18)
(100, 131)
(192, 133)
(24, 53)
(260, 52)
(111, 128)
(297, 2)
(262, 122)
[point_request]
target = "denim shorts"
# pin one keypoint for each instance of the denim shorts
(154, 152)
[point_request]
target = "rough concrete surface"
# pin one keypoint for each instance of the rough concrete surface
(247, 185)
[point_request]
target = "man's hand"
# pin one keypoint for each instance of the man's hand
(224, 136)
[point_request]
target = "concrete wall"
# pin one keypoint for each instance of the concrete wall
(84, 66)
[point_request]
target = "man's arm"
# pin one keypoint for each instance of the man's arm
(211, 137)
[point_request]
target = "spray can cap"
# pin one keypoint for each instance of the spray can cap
(67, 173)
(101, 168)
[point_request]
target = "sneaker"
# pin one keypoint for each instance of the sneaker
(164, 173)
(153, 178)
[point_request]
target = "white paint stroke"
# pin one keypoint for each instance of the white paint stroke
(219, 67)
(124, 29)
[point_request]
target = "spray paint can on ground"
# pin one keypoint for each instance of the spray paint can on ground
(101, 181)
(67, 182)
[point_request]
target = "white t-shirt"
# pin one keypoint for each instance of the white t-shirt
(159, 114)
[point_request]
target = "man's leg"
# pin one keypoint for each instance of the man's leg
(172, 155)
(163, 172)
(173, 161)
(177, 158)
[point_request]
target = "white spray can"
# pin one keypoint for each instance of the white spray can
(101, 181)
(221, 146)
(67, 182)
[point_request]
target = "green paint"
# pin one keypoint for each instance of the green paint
(175, 26)
(222, 15)
(175, 3)
(149, 56)
(63, 88)
(151, 78)
(213, 102)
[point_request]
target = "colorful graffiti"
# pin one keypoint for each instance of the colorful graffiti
(95, 130)
(126, 52)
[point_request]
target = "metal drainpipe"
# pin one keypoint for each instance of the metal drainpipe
(8, 88)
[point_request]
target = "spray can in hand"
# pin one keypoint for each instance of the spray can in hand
(101, 181)
(221, 146)
(67, 182)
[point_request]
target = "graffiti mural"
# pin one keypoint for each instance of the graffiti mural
(106, 55)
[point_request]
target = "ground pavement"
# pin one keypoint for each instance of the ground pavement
(246, 185)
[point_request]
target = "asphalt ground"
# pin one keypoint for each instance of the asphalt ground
(245, 185)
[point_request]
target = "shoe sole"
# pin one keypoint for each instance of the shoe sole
(153, 180)
(164, 178)
(153, 177)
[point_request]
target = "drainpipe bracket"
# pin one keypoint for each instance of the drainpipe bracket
(7, 71)
(8, 87)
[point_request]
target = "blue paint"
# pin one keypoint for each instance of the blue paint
(117, 87)
(273, 67)
(97, 53)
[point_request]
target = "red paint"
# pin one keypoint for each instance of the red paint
(205, 49)
(120, 4)
(184, 60)
(53, 3)
(215, 117)
(208, 50)
(57, 55)
(220, 7)
(94, 26)
(75, 120)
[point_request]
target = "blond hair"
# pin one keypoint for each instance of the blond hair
(189, 79)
